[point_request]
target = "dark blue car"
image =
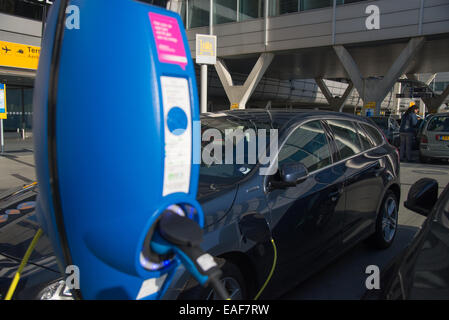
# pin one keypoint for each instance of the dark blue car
(335, 183)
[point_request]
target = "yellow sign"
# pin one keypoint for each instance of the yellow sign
(234, 106)
(206, 49)
(3, 113)
(369, 105)
(19, 55)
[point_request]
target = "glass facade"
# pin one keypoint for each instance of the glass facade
(283, 6)
(315, 4)
(225, 11)
(20, 108)
(251, 9)
(22, 8)
(440, 86)
(237, 10)
(195, 13)
(280, 7)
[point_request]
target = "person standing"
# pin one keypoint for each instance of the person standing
(407, 131)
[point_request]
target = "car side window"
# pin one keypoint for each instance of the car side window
(394, 125)
(346, 137)
(439, 123)
(366, 141)
(375, 135)
(308, 145)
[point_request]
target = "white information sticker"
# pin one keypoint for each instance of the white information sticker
(178, 135)
(206, 261)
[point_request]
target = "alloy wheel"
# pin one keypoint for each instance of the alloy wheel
(389, 219)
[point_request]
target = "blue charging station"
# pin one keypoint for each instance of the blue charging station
(114, 110)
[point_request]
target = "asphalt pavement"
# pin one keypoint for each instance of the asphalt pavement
(16, 163)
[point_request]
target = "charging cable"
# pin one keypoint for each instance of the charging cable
(183, 236)
(271, 271)
(15, 281)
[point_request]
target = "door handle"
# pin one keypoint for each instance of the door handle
(379, 167)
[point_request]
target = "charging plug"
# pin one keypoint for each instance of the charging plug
(183, 236)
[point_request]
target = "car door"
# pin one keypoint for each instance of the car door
(394, 127)
(306, 220)
(363, 165)
(437, 134)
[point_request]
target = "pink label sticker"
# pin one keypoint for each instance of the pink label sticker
(169, 44)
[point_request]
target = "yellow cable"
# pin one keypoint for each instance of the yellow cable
(29, 185)
(16, 279)
(271, 272)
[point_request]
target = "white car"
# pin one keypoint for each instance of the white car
(435, 138)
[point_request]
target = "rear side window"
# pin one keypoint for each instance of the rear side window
(394, 124)
(373, 133)
(439, 124)
(346, 137)
(307, 145)
(365, 139)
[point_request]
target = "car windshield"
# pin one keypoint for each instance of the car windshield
(216, 129)
(439, 124)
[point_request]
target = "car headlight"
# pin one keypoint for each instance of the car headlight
(56, 291)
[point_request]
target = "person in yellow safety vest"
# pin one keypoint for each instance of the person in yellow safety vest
(409, 122)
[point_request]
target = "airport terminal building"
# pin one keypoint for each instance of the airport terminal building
(20, 24)
(295, 41)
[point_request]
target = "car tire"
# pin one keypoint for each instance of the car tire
(231, 278)
(386, 222)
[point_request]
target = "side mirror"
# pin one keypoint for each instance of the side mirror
(422, 196)
(290, 174)
(293, 173)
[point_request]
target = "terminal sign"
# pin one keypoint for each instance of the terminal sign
(17, 55)
(206, 49)
(369, 108)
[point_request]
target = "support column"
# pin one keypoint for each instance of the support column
(336, 103)
(373, 89)
(239, 95)
(427, 81)
(396, 101)
(203, 102)
(436, 101)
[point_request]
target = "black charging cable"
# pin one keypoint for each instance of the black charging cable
(184, 236)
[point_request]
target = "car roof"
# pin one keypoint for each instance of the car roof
(281, 118)
(445, 114)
